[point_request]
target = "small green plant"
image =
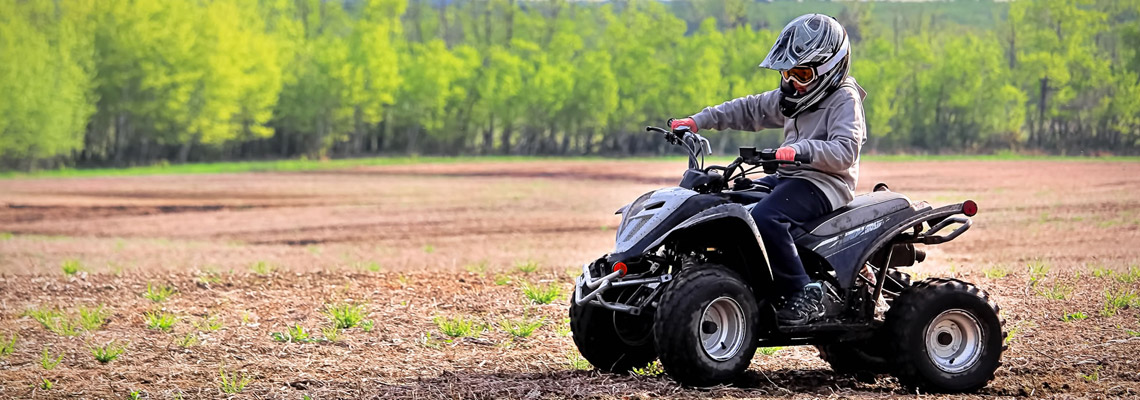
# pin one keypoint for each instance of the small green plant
(563, 329)
(262, 268)
(55, 321)
(160, 320)
(1073, 316)
(1094, 376)
(1132, 276)
(45, 384)
(502, 280)
(209, 277)
(5, 236)
(577, 362)
(526, 267)
(1016, 330)
(295, 333)
(768, 350)
(190, 339)
(402, 280)
(996, 272)
(1099, 271)
(521, 328)
(157, 293)
(331, 333)
(367, 325)
(428, 248)
(459, 327)
(8, 346)
(1057, 292)
(134, 394)
(71, 267)
(345, 315)
(1132, 333)
(47, 361)
(479, 268)
(209, 323)
(653, 369)
(232, 383)
(1116, 300)
(541, 295)
(108, 352)
(426, 340)
(1038, 270)
(370, 266)
(92, 318)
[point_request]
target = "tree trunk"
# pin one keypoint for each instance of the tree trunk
(505, 141)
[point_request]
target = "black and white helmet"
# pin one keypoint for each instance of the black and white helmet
(814, 51)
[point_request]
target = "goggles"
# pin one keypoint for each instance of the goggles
(802, 75)
(806, 75)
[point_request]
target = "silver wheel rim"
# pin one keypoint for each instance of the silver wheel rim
(954, 341)
(722, 328)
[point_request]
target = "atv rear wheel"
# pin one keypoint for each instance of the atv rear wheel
(612, 341)
(947, 336)
(705, 327)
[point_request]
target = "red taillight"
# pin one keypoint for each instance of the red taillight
(620, 266)
(969, 208)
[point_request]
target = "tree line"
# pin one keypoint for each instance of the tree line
(130, 82)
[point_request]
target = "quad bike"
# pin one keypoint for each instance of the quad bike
(689, 283)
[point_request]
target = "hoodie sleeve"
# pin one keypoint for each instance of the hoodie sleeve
(748, 113)
(845, 136)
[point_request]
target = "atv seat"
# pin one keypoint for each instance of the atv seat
(861, 210)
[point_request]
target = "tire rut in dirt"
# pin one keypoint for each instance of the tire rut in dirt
(960, 316)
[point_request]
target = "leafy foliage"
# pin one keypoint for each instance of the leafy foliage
(108, 352)
(345, 315)
(181, 81)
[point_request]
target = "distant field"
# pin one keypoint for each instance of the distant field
(419, 243)
(317, 165)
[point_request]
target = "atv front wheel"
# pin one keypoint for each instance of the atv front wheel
(612, 341)
(705, 327)
(947, 336)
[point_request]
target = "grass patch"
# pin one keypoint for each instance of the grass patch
(57, 322)
(190, 339)
(1073, 316)
(1016, 330)
(501, 280)
(428, 249)
(45, 384)
(996, 272)
(653, 369)
(331, 333)
(232, 383)
(1118, 299)
(157, 293)
(1094, 376)
(563, 329)
(92, 318)
(459, 327)
(1099, 270)
(479, 268)
(345, 315)
(1057, 292)
(521, 328)
(541, 294)
(262, 268)
(8, 346)
(208, 323)
(1132, 276)
(160, 320)
(427, 341)
(1038, 270)
(71, 267)
(577, 362)
(767, 351)
(295, 334)
(108, 352)
(526, 267)
(47, 361)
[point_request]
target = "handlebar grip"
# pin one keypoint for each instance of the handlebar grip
(803, 158)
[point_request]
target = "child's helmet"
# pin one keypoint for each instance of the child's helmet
(814, 51)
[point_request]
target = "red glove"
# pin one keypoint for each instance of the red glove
(786, 154)
(676, 123)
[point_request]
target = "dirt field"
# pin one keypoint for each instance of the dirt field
(417, 244)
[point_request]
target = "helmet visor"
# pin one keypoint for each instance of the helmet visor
(801, 75)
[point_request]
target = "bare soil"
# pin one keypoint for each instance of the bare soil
(420, 242)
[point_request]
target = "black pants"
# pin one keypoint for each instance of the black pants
(792, 202)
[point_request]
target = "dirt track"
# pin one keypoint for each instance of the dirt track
(417, 242)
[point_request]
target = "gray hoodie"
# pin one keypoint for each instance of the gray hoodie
(831, 134)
